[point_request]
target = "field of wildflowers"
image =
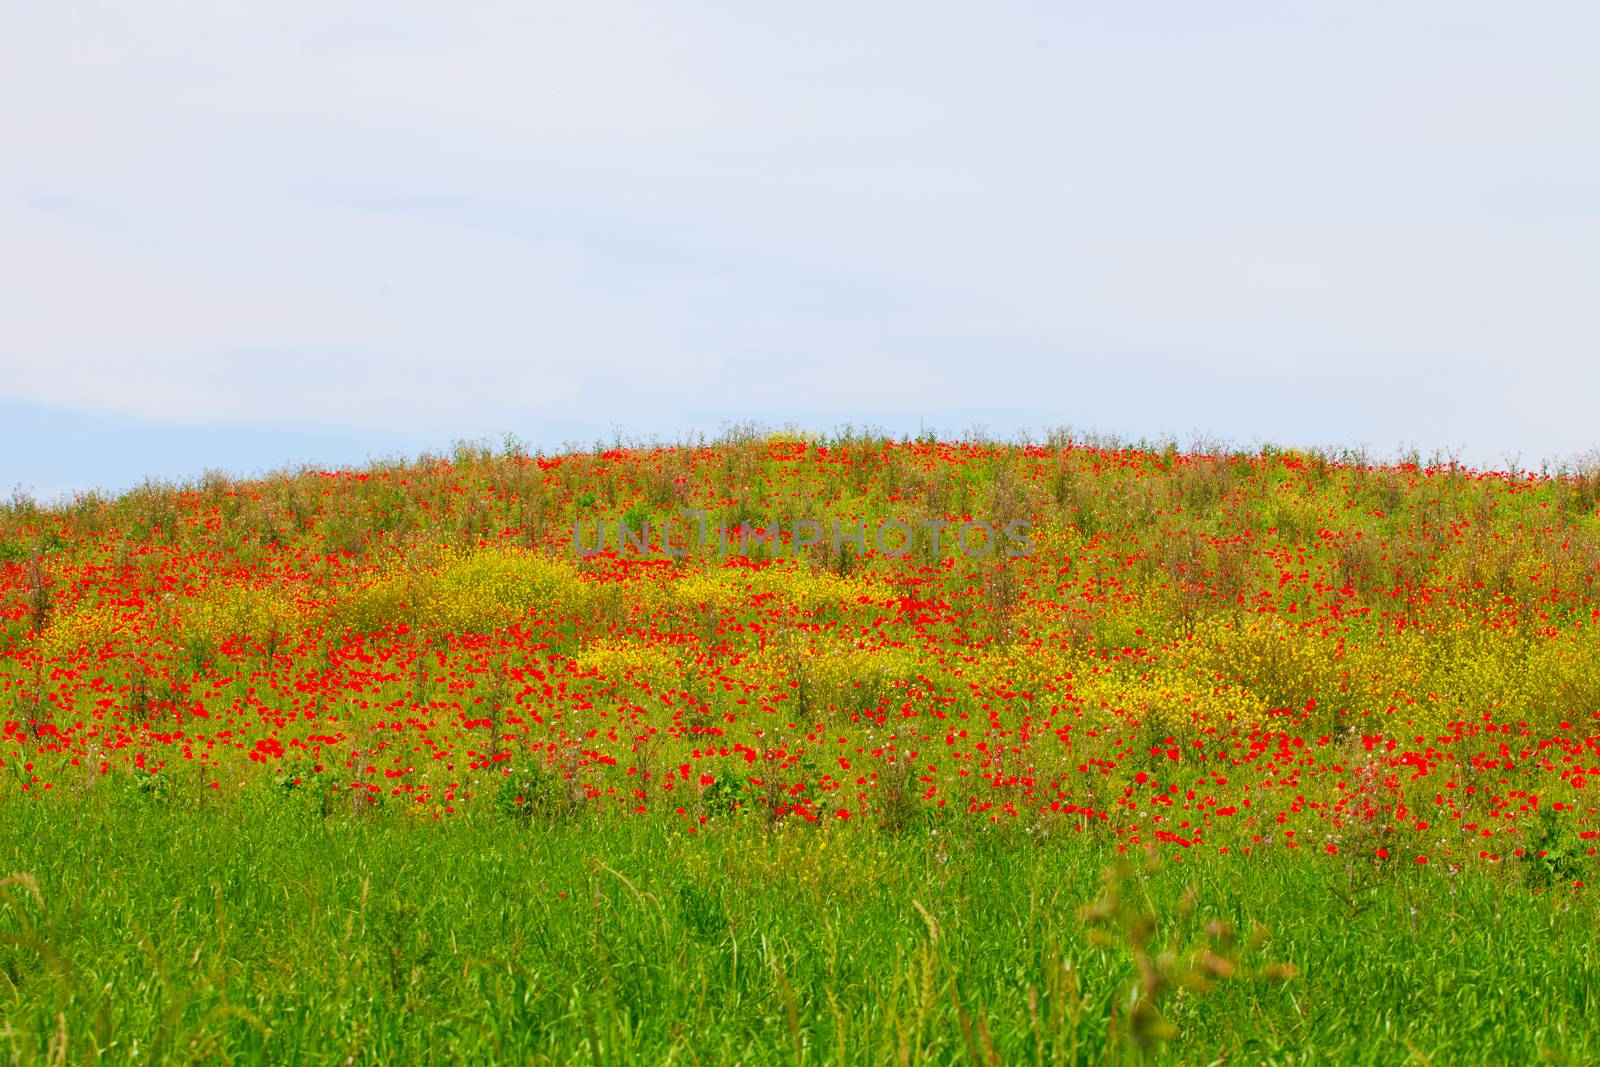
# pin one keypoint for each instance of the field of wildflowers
(1253, 757)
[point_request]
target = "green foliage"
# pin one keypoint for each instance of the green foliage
(1554, 855)
(300, 788)
(246, 932)
(535, 792)
(701, 912)
(157, 788)
(729, 794)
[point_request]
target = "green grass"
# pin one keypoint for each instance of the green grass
(488, 858)
(253, 930)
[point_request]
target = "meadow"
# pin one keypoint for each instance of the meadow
(1244, 757)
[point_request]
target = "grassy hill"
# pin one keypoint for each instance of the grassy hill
(1252, 757)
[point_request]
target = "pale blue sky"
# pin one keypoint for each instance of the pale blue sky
(238, 235)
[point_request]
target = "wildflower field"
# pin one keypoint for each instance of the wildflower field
(1226, 757)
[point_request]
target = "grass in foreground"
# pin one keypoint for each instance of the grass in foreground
(254, 932)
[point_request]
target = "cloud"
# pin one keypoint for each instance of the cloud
(1353, 224)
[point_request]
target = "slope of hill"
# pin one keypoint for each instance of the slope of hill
(1361, 684)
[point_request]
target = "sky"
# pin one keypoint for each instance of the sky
(239, 235)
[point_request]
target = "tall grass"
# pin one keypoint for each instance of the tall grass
(255, 931)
